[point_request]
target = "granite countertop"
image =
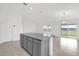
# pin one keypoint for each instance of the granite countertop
(38, 36)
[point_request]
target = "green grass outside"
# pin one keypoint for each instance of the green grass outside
(68, 33)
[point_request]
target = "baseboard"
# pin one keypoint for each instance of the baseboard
(9, 40)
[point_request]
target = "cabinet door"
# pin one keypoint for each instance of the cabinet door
(36, 47)
(25, 43)
(21, 41)
(29, 47)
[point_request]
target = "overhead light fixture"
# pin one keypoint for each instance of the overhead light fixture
(28, 5)
(65, 15)
(25, 3)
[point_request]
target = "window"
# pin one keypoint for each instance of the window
(68, 30)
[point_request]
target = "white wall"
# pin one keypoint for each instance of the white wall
(29, 27)
(55, 27)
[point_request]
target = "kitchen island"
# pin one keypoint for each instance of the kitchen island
(35, 44)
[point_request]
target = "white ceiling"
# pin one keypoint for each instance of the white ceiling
(41, 12)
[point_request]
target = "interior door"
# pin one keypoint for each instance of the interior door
(10, 27)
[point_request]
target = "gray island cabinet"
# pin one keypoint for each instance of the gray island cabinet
(35, 44)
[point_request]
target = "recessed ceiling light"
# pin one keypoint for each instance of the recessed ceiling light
(31, 8)
(63, 22)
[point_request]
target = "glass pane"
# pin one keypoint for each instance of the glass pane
(68, 30)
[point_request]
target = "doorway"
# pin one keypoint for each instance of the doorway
(10, 27)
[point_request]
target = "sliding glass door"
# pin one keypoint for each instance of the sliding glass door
(68, 41)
